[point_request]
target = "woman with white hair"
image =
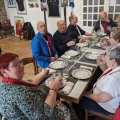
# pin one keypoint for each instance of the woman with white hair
(105, 95)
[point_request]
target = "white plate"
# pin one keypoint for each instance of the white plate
(71, 53)
(81, 73)
(82, 44)
(57, 65)
(92, 56)
(100, 33)
(98, 44)
(48, 82)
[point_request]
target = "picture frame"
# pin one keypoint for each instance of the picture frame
(21, 7)
(43, 4)
(54, 7)
(64, 3)
(19, 22)
(11, 3)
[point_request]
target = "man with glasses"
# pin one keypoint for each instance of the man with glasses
(63, 38)
(76, 30)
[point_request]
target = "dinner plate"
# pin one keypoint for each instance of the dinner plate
(71, 53)
(82, 44)
(48, 82)
(81, 73)
(92, 56)
(98, 44)
(57, 65)
(100, 33)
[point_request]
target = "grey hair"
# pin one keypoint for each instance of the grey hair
(114, 53)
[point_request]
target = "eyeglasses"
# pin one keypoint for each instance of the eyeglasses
(16, 64)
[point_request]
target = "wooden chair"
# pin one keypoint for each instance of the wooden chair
(107, 117)
(31, 60)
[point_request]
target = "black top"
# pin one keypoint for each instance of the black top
(75, 31)
(61, 40)
(20, 5)
(111, 24)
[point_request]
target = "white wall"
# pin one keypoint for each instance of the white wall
(35, 14)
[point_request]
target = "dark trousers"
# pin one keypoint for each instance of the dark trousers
(87, 103)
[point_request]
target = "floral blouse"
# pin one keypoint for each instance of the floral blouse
(19, 102)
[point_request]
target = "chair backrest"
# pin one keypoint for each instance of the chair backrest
(107, 117)
(31, 60)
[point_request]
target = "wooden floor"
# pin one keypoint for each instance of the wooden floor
(23, 49)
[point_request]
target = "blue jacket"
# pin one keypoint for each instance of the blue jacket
(40, 50)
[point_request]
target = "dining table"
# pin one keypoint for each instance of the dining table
(74, 63)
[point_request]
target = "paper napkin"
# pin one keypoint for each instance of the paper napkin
(86, 67)
(67, 88)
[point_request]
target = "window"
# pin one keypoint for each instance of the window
(91, 9)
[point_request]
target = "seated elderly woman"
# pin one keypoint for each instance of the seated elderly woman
(25, 100)
(105, 95)
(118, 21)
(114, 38)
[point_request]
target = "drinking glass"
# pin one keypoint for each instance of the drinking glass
(56, 74)
(103, 42)
(66, 68)
(78, 48)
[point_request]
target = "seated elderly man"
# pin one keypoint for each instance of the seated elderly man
(63, 38)
(76, 30)
(104, 23)
(42, 46)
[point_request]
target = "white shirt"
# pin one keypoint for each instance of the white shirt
(110, 83)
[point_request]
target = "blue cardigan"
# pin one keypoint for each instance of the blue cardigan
(40, 50)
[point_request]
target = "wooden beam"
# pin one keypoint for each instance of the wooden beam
(45, 19)
(65, 15)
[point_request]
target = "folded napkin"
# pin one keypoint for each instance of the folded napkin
(67, 88)
(86, 67)
(66, 56)
(51, 70)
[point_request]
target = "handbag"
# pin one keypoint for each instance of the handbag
(62, 111)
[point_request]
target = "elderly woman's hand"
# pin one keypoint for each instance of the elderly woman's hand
(101, 62)
(44, 72)
(57, 84)
(104, 43)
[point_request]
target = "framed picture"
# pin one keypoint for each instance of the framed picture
(21, 7)
(19, 21)
(43, 4)
(33, 5)
(11, 3)
(53, 8)
(64, 3)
